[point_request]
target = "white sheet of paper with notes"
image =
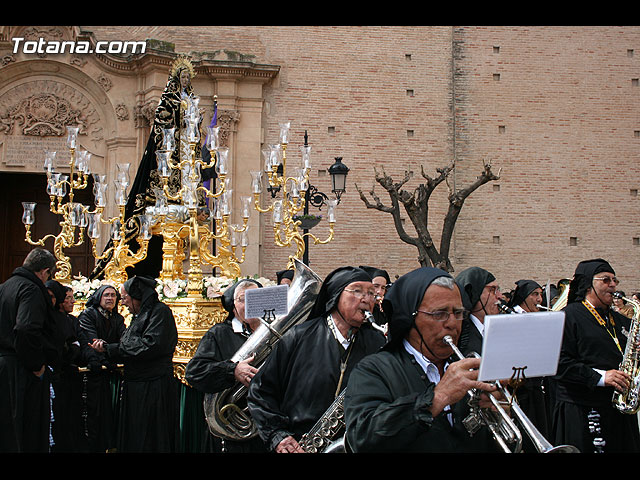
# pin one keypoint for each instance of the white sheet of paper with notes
(257, 301)
(520, 340)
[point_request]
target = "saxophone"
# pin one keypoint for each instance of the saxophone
(628, 401)
(320, 439)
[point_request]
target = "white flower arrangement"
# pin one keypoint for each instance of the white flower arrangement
(83, 288)
(212, 287)
(171, 289)
(215, 286)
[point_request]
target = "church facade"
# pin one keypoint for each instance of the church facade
(553, 109)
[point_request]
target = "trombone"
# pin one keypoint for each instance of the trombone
(503, 428)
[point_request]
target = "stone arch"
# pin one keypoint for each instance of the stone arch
(33, 90)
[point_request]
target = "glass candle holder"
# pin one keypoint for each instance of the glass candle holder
(222, 164)
(213, 142)
(28, 212)
(168, 139)
(332, 206)
(49, 161)
(72, 137)
(284, 132)
(93, 230)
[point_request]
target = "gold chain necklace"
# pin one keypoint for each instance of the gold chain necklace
(601, 321)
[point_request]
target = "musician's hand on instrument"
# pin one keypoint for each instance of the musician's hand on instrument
(616, 379)
(289, 445)
(244, 371)
(459, 378)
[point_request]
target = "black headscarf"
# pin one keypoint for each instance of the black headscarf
(523, 290)
(58, 290)
(376, 272)
(583, 277)
(333, 286)
(227, 299)
(471, 283)
(404, 297)
(94, 299)
(141, 288)
(284, 274)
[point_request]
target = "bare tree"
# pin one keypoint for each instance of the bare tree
(416, 205)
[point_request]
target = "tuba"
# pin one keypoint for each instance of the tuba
(561, 300)
(504, 430)
(226, 412)
(629, 400)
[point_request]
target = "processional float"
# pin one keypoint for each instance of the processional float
(193, 219)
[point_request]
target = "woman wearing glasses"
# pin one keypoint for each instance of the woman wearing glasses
(588, 373)
(311, 364)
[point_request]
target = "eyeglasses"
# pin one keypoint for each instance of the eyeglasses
(360, 294)
(608, 280)
(443, 315)
(494, 290)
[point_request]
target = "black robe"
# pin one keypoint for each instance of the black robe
(386, 409)
(26, 333)
(298, 381)
(67, 427)
(100, 383)
(210, 370)
(149, 408)
(586, 346)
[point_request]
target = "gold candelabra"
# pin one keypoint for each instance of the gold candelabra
(185, 219)
(294, 186)
(119, 254)
(60, 188)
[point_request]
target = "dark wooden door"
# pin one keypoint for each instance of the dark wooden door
(16, 188)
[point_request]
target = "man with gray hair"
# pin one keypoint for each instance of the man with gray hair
(26, 348)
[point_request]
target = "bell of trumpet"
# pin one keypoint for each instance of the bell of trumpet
(504, 428)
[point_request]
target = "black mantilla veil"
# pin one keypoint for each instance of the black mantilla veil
(583, 277)
(523, 289)
(168, 114)
(403, 299)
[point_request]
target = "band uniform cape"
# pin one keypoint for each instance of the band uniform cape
(299, 379)
(388, 398)
(27, 342)
(149, 409)
(471, 283)
(587, 345)
(211, 370)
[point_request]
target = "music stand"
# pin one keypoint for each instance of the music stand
(522, 344)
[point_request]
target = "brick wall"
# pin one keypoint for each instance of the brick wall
(555, 108)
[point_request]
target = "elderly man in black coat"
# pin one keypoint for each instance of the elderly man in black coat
(26, 330)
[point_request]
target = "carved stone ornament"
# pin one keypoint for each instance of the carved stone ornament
(122, 113)
(227, 120)
(42, 114)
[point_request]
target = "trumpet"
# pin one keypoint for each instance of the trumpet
(503, 428)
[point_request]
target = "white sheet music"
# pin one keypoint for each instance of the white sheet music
(530, 340)
(259, 300)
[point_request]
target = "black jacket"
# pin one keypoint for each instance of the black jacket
(27, 327)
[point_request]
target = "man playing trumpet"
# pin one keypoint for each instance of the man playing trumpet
(409, 397)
